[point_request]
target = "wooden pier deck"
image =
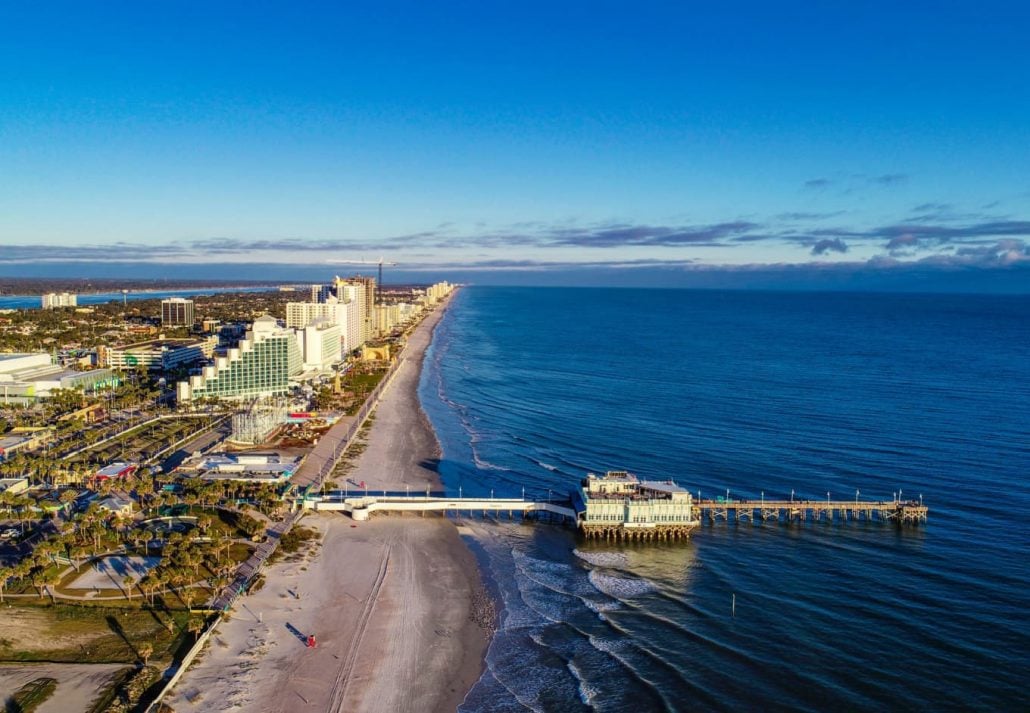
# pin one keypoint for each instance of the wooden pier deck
(898, 511)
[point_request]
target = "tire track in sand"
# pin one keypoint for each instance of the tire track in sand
(339, 690)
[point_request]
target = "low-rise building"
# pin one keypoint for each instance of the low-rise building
(619, 505)
(118, 503)
(380, 353)
(249, 467)
(158, 354)
(14, 486)
(116, 471)
(23, 439)
(24, 378)
(93, 413)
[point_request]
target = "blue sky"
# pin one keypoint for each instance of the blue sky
(517, 136)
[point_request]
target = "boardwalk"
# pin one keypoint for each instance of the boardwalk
(246, 571)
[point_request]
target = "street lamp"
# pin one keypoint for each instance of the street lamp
(856, 498)
(792, 495)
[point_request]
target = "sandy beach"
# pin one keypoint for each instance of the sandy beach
(396, 603)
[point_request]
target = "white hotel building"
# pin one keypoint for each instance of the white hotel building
(346, 315)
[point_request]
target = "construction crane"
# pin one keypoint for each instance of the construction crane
(380, 262)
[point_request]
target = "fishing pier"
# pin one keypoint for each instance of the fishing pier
(908, 512)
(361, 508)
(618, 506)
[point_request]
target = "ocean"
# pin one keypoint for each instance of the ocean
(856, 395)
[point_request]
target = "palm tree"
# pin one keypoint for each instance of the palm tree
(39, 579)
(127, 582)
(188, 596)
(148, 585)
(78, 555)
(50, 581)
(6, 573)
(145, 652)
(218, 583)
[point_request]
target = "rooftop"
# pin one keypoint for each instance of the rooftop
(166, 343)
(10, 356)
(14, 440)
(661, 486)
(614, 476)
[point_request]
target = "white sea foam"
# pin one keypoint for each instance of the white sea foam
(556, 576)
(603, 559)
(620, 587)
(600, 607)
(587, 691)
(615, 647)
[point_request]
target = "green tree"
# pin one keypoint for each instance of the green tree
(188, 595)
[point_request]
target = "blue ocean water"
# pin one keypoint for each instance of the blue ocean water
(96, 298)
(752, 392)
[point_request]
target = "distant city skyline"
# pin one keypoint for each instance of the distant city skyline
(567, 141)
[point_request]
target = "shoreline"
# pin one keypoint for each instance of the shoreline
(398, 604)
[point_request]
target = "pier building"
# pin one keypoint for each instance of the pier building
(618, 505)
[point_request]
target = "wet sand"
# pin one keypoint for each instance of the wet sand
(396, 603)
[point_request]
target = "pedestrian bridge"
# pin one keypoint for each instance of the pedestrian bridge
(361, 507)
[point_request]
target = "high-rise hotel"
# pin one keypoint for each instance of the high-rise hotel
(262, 365)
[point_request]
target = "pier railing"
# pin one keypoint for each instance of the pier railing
(362, 506)
(899, 511)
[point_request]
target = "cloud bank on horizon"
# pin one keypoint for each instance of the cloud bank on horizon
(933, 235)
